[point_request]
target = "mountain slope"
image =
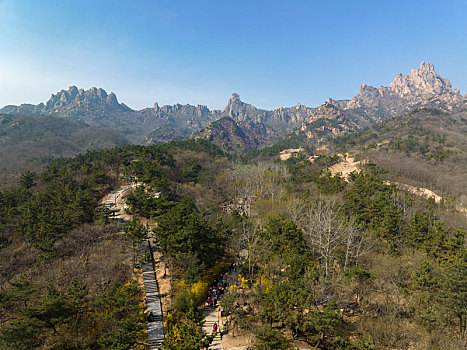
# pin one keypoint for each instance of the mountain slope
(30, 141)
(234, 136)
(326, 123)
(158, 124)
(421, 87)
(424, 148)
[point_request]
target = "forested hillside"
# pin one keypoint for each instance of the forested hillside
(315, 260)
(426, 148)
(67, 277)
(28, 142)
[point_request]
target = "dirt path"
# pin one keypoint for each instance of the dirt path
(426, 193)
(348, 165)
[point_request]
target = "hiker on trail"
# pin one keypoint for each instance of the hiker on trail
(150, 317)
(214, 328)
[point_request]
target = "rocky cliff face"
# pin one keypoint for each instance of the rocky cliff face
(244, 125)
(421, 87)
(177, 121)
(234, 136)
(94, 107)
(327, 122)
(74, 102)
(261, 125)
(282, 120)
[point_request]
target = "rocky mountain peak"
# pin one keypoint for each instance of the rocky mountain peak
(239, 110)
(426, 66)
(421, 82)
(111, 100)
(75, 99)
(235, 98)
(234, 103)
(420, 87)
(364, 87)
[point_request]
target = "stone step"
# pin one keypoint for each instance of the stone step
(153, 303)
(156, 318)
(151, 288)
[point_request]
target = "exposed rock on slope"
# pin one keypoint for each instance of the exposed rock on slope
(425, 148)
(421, 87)
(234, 137)
(177, 121)
(282, 120)
(325, 123)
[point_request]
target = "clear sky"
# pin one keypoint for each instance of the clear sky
(273, 53)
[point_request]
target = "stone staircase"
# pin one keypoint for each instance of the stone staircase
(156, 327)
(211, 316)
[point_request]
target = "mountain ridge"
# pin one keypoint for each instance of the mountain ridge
(421, 87)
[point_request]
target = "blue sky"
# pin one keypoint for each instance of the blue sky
(273, 53)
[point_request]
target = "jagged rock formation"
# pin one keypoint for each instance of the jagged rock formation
(94, 107)
(282, 120)
(243, 125)
(325, 123)
(73, 102)
(421, 87)
(234, 136)
(161, 124)
(177, 121)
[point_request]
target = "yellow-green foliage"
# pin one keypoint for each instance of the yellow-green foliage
(243, 282)
(263, 282)
(199, 289)
(172, 331)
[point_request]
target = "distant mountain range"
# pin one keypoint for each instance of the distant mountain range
(241, 125)
(421, 88)
(158, 124)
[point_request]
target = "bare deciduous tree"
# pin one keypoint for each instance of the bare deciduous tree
(327, 232)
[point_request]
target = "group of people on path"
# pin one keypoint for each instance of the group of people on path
(214, 293)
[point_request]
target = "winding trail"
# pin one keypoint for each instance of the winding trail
(116, 200)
